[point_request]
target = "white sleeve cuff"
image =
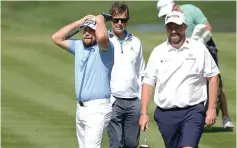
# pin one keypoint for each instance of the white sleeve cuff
(208, 75)
(148, 81)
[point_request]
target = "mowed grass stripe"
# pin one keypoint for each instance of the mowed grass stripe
(34, 74)
(40, 132)
(38, 93)
(219, 139)
(12, 139)
(46, 47)
(39, 123)
(47, 63)
(35, 110)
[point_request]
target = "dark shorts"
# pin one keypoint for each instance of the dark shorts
(181, 127)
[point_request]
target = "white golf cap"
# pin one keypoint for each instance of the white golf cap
(89, 23)
(175, 17)
(164, 7)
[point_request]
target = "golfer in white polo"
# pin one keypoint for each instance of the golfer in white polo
(180, 68)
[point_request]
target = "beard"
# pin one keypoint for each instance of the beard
(175, 38)
(88, 44)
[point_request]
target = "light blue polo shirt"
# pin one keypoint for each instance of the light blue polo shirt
(92, 71)
(193, 16)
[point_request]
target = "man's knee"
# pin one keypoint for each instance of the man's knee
(115, 135)
(131, 136)
(131, 142)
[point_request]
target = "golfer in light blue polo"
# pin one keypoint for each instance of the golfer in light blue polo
(94, 58)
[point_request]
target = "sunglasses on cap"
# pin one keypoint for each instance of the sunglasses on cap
(123, 20)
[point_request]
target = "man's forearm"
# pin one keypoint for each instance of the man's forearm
(101, 33)
(213, 92)
(146, 95)
(63, 32)
(209, 27)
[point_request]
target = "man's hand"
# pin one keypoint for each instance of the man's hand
(89, 17)
(200, 33)
(144, 122)
(100, 18)
(210, 117)
(206, 36)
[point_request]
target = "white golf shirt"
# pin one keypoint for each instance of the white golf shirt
(181, 74)
(128, 68)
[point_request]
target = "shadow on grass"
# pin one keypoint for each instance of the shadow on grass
(216, 130)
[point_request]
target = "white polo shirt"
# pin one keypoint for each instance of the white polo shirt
(128, 68)
(181, 74)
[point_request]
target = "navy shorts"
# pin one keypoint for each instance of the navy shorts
(181, 126)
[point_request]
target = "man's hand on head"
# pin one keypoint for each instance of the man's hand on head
(89, 17)
(100, 18)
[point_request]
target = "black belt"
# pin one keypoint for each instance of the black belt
(128, 99)
(81, 103)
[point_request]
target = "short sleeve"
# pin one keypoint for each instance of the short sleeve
(72, 46)
(109, 54)
(150, 74)
(210, 67)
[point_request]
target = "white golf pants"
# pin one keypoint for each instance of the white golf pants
(91, 120)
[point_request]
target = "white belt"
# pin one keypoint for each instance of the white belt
(94, 102)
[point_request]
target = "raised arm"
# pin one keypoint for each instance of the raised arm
(59, 36)
(101, 33)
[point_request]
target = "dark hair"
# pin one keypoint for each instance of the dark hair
(118, 8)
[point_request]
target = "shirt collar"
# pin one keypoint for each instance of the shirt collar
(127, 35)
(186, 45)
(90, 48)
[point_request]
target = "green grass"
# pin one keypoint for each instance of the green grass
(38, 98)
(51, 15)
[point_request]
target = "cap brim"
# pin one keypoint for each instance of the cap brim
(84, 26)
(171, 21)
(165, 10)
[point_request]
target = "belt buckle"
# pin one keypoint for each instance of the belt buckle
(81, 103)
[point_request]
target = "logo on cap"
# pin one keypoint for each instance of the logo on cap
(88, 22)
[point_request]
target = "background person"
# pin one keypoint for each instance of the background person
(124, 129)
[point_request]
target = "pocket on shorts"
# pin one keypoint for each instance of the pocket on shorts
(201, 108)
(156, 115)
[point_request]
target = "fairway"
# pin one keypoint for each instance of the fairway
(38, 97)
